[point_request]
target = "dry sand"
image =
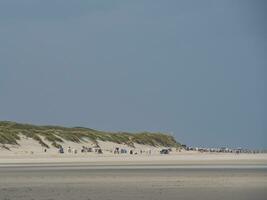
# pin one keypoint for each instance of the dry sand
(30, 151)
(28, 173)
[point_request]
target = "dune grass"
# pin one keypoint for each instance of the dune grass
(52, 135)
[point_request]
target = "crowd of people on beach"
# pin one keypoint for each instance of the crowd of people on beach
(98, 150)
(221, 150)
(134, 151)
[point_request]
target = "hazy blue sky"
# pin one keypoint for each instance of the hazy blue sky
(196, 69)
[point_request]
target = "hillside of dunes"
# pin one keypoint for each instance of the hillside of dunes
(47, 136)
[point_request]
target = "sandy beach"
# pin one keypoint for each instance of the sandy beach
(174, 159)
(99, 177)
(28, 172)
(30, 151)
(84, 182)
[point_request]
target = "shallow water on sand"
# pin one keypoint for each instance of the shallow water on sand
(119, 182)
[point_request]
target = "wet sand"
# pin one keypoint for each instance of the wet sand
(142, 181)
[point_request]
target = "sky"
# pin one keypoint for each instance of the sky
(193, 69)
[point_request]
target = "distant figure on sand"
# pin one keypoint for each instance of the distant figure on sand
(74, 151)
(61, 150)
(117, 150)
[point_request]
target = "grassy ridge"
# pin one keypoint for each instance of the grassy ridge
(10, 131)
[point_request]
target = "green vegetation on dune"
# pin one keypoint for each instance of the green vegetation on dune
(10, 132)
